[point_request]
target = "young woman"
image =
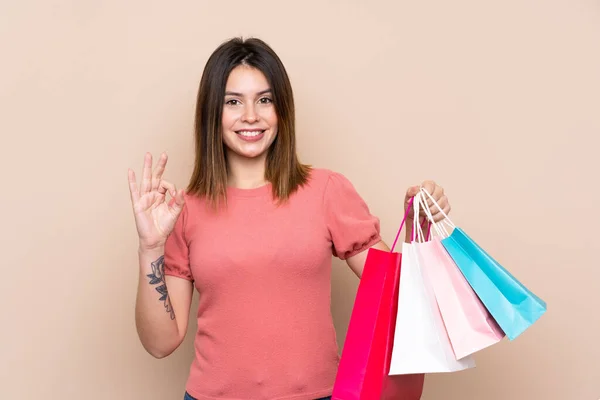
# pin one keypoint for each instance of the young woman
(254, 233)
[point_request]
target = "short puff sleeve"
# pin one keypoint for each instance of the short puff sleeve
(177, 261)
(351, 226)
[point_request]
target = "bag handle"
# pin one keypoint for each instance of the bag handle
(417, 233)
(440, 229)
(438, 226)
(419, 229)
(410, 204)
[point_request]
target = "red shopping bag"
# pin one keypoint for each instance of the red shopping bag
(363, 372)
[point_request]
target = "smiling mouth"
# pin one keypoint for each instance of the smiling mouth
(250, 134)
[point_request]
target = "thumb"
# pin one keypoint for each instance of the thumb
(177, 202)
(412, 191)
(180, 198)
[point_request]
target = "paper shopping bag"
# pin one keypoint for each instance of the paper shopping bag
(364, 365)
(421, 343)
(470, 326)
(514, 307)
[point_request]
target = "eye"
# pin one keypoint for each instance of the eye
(265, 100)
(232, 102)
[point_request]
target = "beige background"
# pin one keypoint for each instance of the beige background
(497, 101)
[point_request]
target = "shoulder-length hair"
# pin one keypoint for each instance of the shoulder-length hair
(283, 168)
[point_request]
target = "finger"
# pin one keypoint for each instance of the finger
(435, 210)
(133, 188)
(445, 207)
(426, 204)
(177, 202)
(436, 192)
(147, 174)
(429, 186)
(158, 171)
(412, 191)
(423, 213)
(164, 187)
(440, 216)
(441, 203)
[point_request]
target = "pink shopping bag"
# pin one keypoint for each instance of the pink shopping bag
(363, 372)
(470, 326)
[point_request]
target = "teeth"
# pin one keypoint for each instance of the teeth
(250, 133)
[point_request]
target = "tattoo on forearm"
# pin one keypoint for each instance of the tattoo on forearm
(158, 277)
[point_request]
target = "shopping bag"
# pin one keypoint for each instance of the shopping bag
(364, 364)
(470, 326)
(421, 343)
(514, 307)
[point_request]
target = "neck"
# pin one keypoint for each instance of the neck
(246, 173)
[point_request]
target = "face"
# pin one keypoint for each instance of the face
(249, 118)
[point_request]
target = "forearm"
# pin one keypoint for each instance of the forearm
(154, 316)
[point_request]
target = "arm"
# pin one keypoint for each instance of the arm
(357, 262)
(161, 315)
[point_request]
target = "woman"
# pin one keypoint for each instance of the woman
(254, 233)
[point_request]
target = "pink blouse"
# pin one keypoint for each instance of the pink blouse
(263, 274)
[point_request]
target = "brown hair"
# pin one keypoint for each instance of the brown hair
(283, 170)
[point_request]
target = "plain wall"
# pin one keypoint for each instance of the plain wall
(497, 101)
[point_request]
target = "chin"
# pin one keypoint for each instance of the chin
(248, 154)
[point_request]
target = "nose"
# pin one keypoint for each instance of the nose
(250, 116)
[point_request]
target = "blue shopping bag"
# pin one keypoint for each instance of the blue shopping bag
(514, 307)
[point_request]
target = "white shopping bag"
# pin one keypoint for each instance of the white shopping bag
(421, 343)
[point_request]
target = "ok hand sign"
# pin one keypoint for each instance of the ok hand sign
(154, 217)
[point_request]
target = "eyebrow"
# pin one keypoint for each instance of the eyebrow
(240, 95)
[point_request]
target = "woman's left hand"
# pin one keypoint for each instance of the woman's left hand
(437, 192)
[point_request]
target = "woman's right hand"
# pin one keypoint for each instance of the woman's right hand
(154, 217)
